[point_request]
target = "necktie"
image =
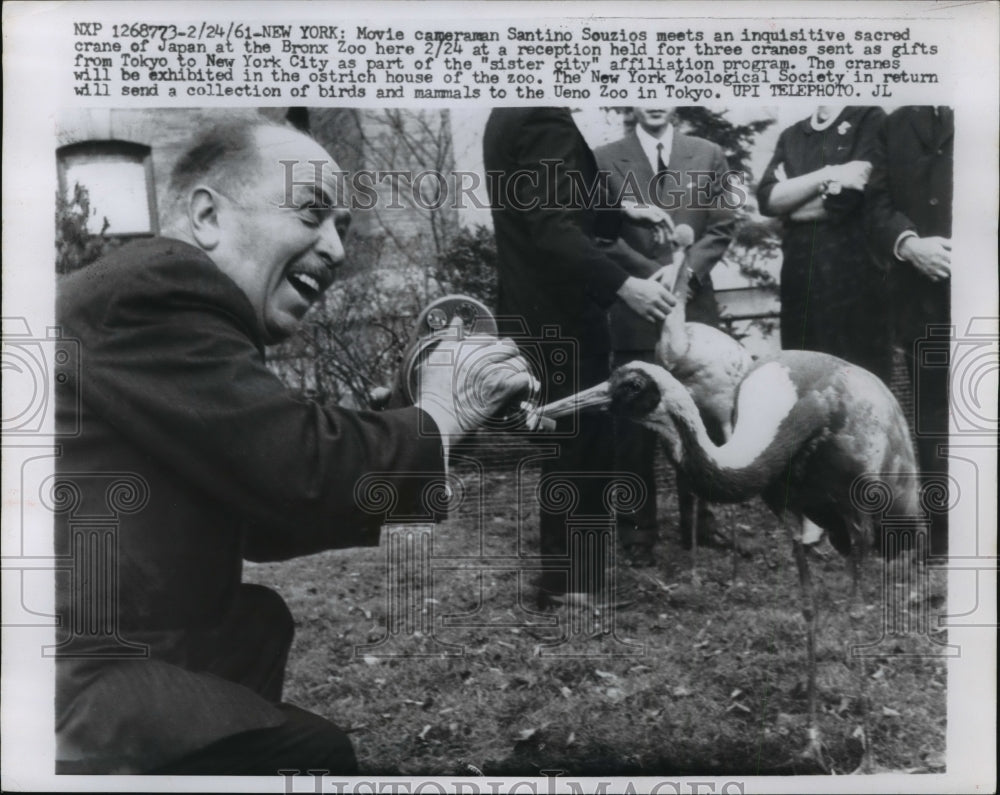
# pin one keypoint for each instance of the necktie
(661, 167)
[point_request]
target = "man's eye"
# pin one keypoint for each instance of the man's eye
(313, 216)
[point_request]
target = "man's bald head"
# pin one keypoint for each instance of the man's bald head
(261, 201)
(226, 156)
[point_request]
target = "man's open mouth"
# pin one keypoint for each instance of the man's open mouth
(307, 285)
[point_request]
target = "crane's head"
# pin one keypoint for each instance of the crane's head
(641, 392)
(633, 392)
(648, 394)
(628, 394)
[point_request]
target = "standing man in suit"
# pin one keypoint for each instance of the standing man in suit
(553, 272)
(908, 209)
(678, 176)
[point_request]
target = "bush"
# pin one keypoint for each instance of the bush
(75, 246)
(756, 242)
(468, 264)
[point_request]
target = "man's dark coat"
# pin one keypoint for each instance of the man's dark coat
(691, 194)
(552, 271)
(173, 395)
(911, 190)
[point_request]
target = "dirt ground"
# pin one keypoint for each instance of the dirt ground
(697, 672)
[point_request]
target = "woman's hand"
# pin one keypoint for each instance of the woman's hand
(853, 175)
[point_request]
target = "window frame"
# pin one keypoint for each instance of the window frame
(136, 152)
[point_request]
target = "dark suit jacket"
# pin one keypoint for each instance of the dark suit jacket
(173, 390)
(712, 224)
(551, 269)
(910, 189)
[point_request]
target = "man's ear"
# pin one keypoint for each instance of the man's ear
(203, 215)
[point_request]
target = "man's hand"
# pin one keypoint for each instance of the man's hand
(647, 298)
(663, 225)
(463, 382)
(929, 255)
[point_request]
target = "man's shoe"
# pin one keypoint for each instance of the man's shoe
(580, 600)
(637, 544)
(552, 600)
(712, 539)
(715, 540)
(639, 556)
(708, 532)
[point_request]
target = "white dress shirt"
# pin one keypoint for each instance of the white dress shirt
(650, 145)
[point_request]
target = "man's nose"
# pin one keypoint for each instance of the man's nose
(330, 244)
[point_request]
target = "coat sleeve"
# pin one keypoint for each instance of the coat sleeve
(770, 178)
(708, 249)
(621, 238)
(884, 223)
(630, 260)
(548, 161)
(171, 366)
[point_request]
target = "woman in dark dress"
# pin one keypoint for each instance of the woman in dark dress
(833, 296)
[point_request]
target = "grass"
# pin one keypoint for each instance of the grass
(709, 676)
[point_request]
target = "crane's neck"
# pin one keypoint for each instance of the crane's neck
(683, 276)
(674, 341)
(760, 449)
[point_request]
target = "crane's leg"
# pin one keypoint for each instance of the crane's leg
(687, 505)
(694, 541)
(734, 552)
(727, 433)
(867, 763)
(859, 538)
(814, 749)
(857, 563)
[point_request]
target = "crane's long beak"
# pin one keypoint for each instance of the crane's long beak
(596, 396)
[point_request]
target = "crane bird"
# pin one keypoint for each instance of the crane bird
(807, 425)
(710, 364)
